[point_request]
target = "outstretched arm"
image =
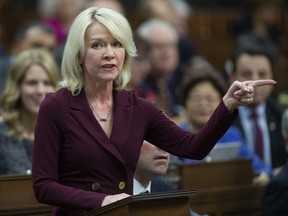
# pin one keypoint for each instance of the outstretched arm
(242, 93)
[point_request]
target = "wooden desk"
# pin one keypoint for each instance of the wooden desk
(243, 200)
(17, 197)
(168, 204)
(216, 174)
(223, 188)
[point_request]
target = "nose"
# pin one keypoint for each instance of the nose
(108, 53)
(41, 88)
(161, 150)
(255, 75)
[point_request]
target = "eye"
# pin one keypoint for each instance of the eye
(117, 44)
(48, 83)
(264, 74)
(195, 97)
(246, 74)
(212, 98)
(97, 45)
(31, 82)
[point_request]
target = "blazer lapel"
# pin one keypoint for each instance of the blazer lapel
(80, 110)
(123, 111)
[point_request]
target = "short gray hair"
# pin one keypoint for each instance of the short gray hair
(146, 27)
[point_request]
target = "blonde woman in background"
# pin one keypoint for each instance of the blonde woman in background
(32, 75)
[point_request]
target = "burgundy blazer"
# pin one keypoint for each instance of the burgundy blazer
(75, 165)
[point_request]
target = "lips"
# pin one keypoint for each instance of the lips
(161, 157)
(37, 101)
(108, 66)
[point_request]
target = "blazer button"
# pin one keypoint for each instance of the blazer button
(96, 187)
(121, 185)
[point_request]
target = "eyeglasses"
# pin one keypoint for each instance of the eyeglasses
(162, 46)
(208, 98)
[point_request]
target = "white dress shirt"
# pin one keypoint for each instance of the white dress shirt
(247, 123)
(138, 187)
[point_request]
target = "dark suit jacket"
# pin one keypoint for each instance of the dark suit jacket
(273, 115)
(275, 199)
(159, 185)
(75, 165)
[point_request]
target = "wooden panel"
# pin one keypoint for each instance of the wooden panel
(223, 188)
(170, 207)
(166, 203)
(211, 32)
(16, 190)
(229, 201)
(17, 197)
(216, 174)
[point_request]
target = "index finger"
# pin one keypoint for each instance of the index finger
(255, 83)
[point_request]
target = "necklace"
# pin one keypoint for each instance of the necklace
(102, 119)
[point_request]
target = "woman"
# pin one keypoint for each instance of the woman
(33, 74)
(202, 93)
(86, 150)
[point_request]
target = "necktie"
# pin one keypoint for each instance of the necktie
(258, 136)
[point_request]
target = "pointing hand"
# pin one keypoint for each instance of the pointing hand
(242, 93)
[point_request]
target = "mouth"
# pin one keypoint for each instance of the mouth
(37, 104)
(203, 113)
(161, 157)
(108, 66)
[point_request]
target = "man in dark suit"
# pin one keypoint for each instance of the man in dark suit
(152, 165)
(275, 199)
(255, 62)
(153, 162)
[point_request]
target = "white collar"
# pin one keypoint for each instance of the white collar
(246, 111)
(138, 187)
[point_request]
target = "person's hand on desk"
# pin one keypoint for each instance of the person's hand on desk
(261, 180)
(114, 198)
(242, 93)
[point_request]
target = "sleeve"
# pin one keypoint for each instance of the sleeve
(45, 159)
(168, 136)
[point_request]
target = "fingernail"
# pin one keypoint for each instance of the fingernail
(246, 89)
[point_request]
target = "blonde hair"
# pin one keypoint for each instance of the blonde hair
(117, 24)
(10, 101)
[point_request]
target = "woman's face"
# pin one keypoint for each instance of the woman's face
(201, 102)
(103, 56)
(34, 86)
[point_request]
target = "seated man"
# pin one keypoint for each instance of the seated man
(275, 198)
(152, 164)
